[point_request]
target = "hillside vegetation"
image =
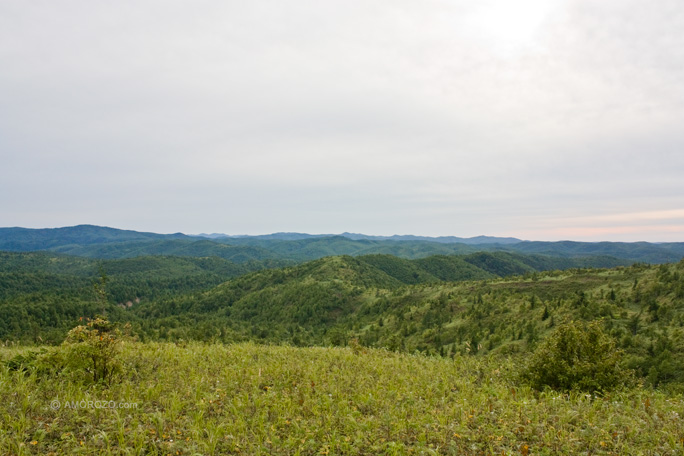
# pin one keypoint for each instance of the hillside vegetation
(251, 399)
(42, 295)
(442, 305)
(337, 299)
(482, 353)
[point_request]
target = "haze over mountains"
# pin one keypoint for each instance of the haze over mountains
(358, 236)
(104, 242)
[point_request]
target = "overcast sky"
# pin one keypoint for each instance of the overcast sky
(539, 119)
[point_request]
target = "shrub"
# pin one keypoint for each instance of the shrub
(95, 348)
(577, 356)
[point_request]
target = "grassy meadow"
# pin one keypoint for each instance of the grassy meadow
(482, 354)
(211, 399)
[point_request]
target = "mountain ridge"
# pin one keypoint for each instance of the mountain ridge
(291, 236)
(23, 239)
(105, 242)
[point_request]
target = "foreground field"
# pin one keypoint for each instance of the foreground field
(253, 399)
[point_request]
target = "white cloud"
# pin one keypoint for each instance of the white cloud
(433, 117)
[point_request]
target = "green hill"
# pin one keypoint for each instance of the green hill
(333, 300)
(425, 355)
(441, 305)
(425, 270)
(634, 251)
(499, 264)
(317, 247)
(174, 247)
(405, 271)
(43, 294)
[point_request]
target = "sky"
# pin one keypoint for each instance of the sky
(538, 119)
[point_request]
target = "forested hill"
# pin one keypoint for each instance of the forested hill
(637, 251)
(102, 242)
(337, 299)
(41, 292)
(172, 247)
(440, 305)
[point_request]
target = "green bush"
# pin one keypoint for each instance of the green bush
(94, 348)
(577, 356)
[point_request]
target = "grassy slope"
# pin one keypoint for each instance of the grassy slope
(332, 300)
(383, 301)
(250, 399)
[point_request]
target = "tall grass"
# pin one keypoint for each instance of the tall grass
(252, 399)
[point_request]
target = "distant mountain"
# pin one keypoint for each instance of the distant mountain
(278, 236)
(359, 236)
(210, 236)
(29, 239)
(176, 247)
(102, 242)
(635, 251)
(317, 247)
(477, 240)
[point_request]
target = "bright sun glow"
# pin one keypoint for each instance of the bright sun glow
(509, 27)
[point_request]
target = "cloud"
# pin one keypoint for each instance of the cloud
(433, 118)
